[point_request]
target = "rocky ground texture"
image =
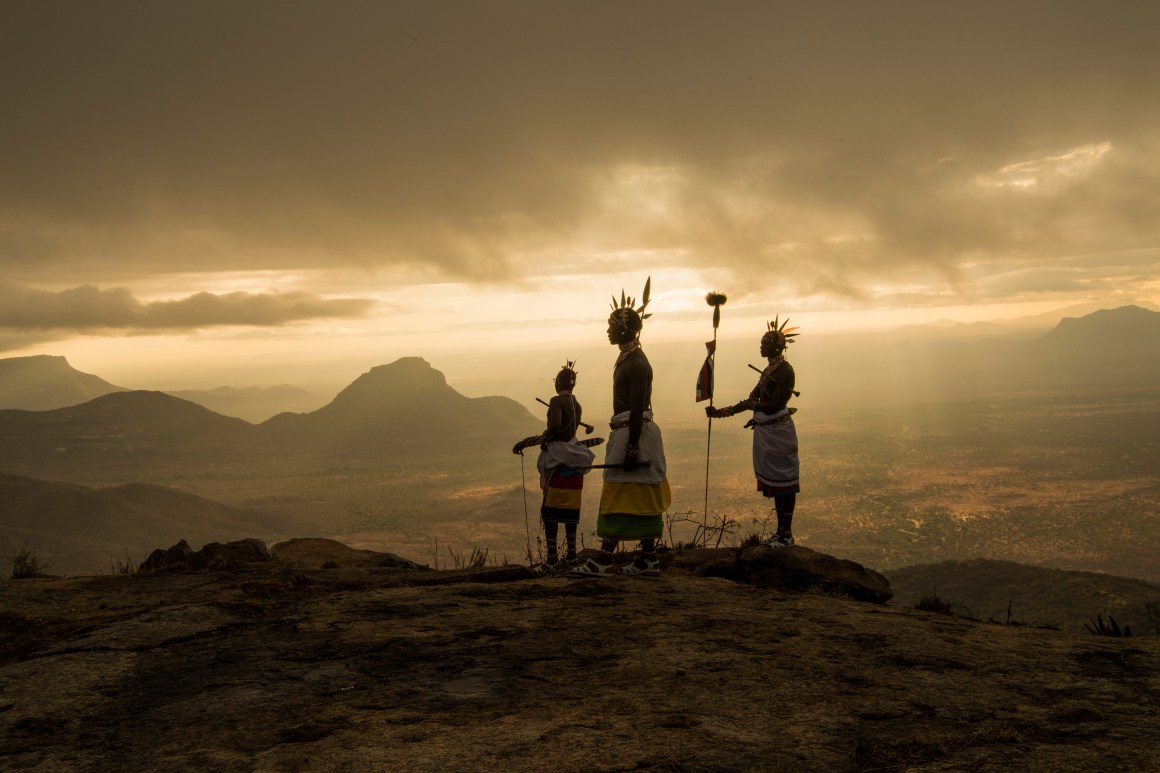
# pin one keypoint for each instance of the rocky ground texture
(727, 661)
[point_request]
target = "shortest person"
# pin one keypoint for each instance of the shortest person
(563, 462)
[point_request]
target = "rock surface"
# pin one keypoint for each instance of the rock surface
(214, 555)
(796, 568)
(285, 668)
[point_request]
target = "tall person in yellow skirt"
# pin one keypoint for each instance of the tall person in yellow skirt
(636, 488)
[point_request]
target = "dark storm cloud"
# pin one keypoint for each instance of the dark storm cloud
(89, 308)
(822, 144)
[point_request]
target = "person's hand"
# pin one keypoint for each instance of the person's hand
(631, 462)
(718, 413)
(527, 442)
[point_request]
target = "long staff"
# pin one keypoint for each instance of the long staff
(716, 300)
(524, 490)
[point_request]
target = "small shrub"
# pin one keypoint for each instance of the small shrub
(933, 603)
(832, 592)
(124, 566)
(1098, 627)
(26, 565)
(477, 559)
(752, 541)
(706, 532)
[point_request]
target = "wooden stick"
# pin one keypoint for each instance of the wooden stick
(587, 427)
(645, 463)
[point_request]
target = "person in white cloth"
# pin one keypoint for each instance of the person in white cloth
(775, 441)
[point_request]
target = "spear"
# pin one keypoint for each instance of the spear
(716, 300)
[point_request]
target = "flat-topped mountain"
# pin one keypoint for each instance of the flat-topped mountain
(1125, 329)
(43, 382)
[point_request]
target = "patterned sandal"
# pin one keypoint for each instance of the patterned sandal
(593, 568)
(645, 566)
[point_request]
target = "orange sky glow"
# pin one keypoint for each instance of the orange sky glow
(259, 193)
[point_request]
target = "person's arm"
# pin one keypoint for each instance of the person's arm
(557, 421)
(638, 391)
(729, 410)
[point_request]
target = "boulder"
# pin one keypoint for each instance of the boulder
(318, 552)
(794, 568)
(213, 556)
(175, 559)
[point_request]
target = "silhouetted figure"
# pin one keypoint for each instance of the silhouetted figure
(775, 442)
(636, 489)
(562, 464)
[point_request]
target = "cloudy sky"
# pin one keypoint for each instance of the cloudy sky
(237, 187)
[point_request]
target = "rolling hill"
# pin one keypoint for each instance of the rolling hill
(121, 437)
(986, 590)
(82, 530)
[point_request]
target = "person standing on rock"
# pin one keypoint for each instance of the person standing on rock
(775, 442)
(562, 464)
(636, 489)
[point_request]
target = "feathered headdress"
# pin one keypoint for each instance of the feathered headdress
(566, 378)
(627, 314)
(785, 335)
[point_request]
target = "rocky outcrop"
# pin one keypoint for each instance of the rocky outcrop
(791, 569)
(795, 568)
(286, 669)
(321, 553)
(214, 555)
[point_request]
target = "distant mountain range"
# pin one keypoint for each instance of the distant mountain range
(254, 404)
(1019, 328)
(45, 382)
(393, 411)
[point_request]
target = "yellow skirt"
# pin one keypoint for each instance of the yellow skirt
(633, 510)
